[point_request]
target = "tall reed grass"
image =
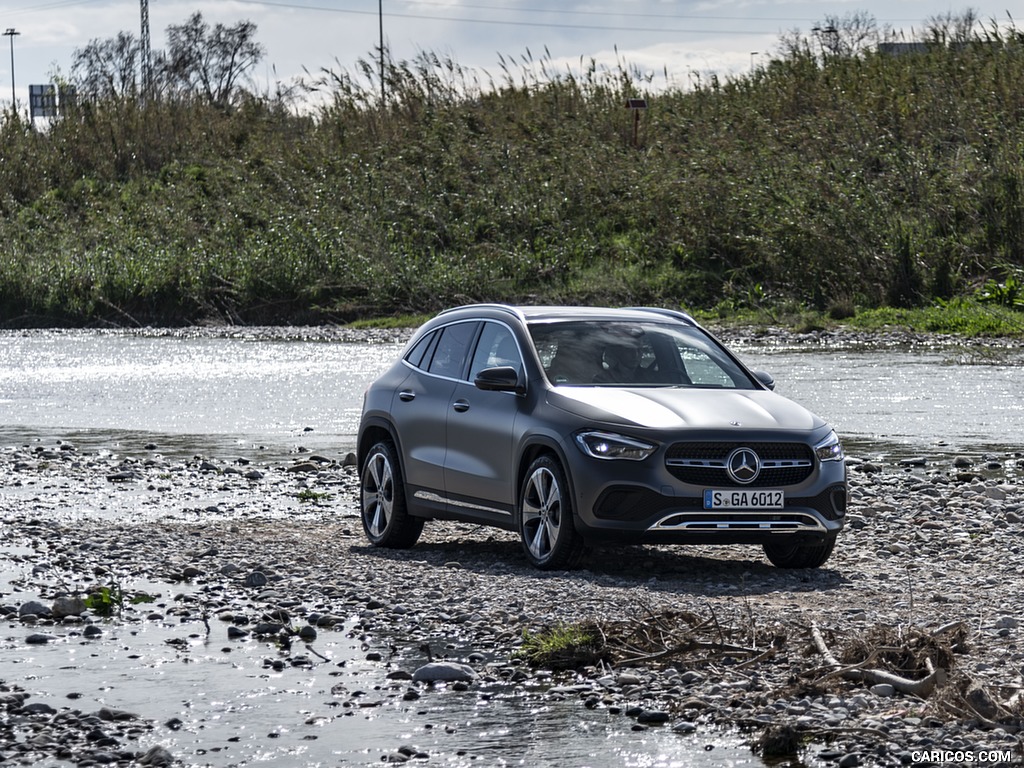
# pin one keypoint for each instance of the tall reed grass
(867, 180)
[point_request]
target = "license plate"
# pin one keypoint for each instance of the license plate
(744, 499)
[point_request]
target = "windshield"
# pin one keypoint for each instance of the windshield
(617, 354)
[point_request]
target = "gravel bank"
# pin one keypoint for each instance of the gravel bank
(927, 572)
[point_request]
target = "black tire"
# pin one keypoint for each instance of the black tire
(545, 518)
(385, 515)
(787, 554)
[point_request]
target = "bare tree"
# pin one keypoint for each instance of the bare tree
(950, 27)
(210, 61)
(106, 69)
(848, 36)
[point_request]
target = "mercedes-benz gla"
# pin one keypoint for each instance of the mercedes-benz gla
(570, 425)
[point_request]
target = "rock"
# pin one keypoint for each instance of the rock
(649, 717)
(256, 579)
(981, 702)
(68, 606)
(157, 756)
(869, 468)
(303, 467)
(39, 639)
(38, 708)
(33, 608)
(109, 714)
(444, 671)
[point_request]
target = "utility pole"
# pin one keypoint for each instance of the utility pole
(144, 44)
(11, 32)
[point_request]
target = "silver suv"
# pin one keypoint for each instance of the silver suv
(573, 424)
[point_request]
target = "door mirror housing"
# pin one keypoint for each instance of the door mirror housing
(765, 378)
(503, 378)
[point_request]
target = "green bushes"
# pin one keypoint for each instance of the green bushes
(860, 182)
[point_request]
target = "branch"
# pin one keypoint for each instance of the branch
(921, 688)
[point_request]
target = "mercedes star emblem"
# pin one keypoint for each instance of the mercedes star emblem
(743, 465)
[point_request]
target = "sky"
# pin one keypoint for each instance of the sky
(684, 39)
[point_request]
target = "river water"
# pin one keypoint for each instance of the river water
(273, 398)
(217, 395)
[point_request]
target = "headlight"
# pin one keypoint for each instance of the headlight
(606, 445)
(830, 449)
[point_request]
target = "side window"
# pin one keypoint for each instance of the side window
(453, 346)
(420, 353)
(497, 346)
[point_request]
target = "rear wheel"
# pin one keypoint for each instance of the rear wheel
(386, 518)
(546, 526)
(787, 554)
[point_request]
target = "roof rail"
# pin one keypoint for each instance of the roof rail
(499, 307)
(673, 313)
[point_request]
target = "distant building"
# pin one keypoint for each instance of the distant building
(901, 49)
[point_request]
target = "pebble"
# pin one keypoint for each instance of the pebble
(926, 545)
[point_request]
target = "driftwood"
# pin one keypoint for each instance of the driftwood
(922, 688)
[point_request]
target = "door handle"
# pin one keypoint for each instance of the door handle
(406, 395)
(461, 405)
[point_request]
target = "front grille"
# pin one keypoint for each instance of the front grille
(704, 463)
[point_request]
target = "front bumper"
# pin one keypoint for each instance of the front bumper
(627, 501)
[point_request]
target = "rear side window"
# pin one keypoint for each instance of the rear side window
(449, 358)
(419, 355)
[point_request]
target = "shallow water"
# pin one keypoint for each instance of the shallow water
(901, 401)
(234, 710)
(271, 398)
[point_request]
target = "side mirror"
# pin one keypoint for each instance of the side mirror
(765, 378)
(503, 378)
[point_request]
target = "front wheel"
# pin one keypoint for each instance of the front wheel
(786, 554)
(545, 519)
(386, 519)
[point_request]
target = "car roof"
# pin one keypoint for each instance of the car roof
(529, 313)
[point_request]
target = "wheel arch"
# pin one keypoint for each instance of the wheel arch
(531, 451)
(372, 432)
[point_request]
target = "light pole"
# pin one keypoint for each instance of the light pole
(380, 21)
(753, 56)
(11, 32)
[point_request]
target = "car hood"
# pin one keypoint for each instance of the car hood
(679, 408)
